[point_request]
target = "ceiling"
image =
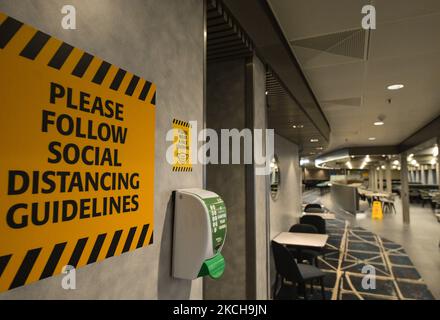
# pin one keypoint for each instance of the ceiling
(290, 121)
(238, 29)
(349, 68)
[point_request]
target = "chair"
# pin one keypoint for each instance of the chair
(296, 273)
(313, 205)
(316, 221)
(314, 210)
(388, 204)
(425, 197)
(414, 195)
(308, 254)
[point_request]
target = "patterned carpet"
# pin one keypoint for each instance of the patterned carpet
(354, 248)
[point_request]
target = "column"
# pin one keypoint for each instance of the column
(437, 167)
(388, 177)
(422, 174)
(242, 83)
(371, 179)
(380, 179)
(404, 192)
(437, 172)
(374, 179)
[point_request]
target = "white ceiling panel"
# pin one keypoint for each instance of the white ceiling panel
(405, 48)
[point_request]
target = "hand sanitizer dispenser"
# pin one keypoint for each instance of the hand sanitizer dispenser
(199, 234)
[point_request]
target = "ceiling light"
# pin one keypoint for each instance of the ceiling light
(314, 140)
(433, 161)
(312, 153)
(304, 161)
(379, 123)
(383, 167)
(394, 167)
(396, 162)
(348, 164)
(395, 87)
(352, 157)
(320, 148)
(435, 151)
(372, 138)
(266, 93)
(414, 162)
(297, 126)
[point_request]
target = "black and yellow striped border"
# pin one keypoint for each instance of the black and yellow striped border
(38, 46)
(103, 246)
(178, 168)
(181, 123)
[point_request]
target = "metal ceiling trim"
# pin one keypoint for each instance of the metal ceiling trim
(271, 45)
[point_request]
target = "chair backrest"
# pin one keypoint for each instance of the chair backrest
(285, 263)
(313, 205)
(316, 221)
(303, 228)
(314, 210)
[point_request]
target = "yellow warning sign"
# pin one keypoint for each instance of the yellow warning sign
(77, 164)
(181, 142)
(377, 213)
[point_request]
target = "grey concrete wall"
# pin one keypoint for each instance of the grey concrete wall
(225, 94)
(261, 185)
(226, 104)
(286, 209)
(162, 41)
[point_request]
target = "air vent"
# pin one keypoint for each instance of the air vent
(226, 40)
(349, 102)
(353, 43)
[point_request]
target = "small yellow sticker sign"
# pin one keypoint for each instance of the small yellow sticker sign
(377, 213)
(77, 164)
(181, 142)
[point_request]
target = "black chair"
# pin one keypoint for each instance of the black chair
(316, 221)
(296, 273)
(314, 210)
(309, 254)
(313, 205)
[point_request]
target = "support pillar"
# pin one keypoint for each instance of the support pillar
(388, 177)
(371, 179)
(374, 179)
(437, 173)
(438, 164)
(380, 179)
(404, 192)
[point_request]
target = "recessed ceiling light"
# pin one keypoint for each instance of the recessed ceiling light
(266, 93)
(371, 138)
(314, 140)
(379, 123)
(298, 126)
(395, 87)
